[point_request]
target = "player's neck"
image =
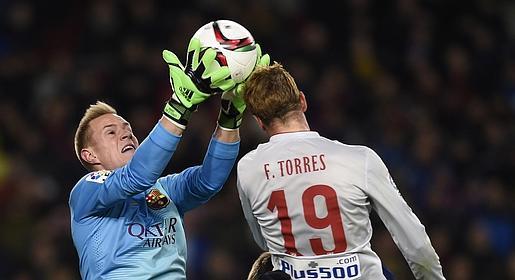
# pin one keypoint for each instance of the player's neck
(296, 123)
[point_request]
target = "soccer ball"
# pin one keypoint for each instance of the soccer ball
(235, 47)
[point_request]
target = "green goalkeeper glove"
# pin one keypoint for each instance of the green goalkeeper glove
(196, 82)
(232, 104)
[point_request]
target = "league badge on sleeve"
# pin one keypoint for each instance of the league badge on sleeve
(99, 176)
(156, 200)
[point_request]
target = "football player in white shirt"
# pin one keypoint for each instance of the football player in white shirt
(307, 199)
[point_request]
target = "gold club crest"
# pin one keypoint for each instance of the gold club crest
(156, 200)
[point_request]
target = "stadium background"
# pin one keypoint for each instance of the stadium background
(430, 85)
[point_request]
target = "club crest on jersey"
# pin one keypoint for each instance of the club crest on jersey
(156, 200)
(99, 176)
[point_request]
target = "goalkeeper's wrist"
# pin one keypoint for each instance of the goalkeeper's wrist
(229, 122)
(178, 113)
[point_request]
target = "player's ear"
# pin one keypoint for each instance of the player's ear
(259, 122)
(303, 102)
(89, 156)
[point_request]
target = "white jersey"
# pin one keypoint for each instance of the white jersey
(309, 197)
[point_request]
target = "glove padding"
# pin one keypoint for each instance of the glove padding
(193, 84)
(232, 104)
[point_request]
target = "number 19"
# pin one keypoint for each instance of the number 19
(332, 219)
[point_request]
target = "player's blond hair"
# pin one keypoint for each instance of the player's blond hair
(82, 135)
(271, 93)
(261, 265)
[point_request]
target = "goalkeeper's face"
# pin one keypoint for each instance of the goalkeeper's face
(111, 141)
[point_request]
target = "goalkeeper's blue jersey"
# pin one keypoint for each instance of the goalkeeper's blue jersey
(128, 223)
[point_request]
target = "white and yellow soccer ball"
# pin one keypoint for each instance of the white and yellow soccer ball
(235, 47)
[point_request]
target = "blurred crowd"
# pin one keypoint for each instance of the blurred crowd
(429, 85)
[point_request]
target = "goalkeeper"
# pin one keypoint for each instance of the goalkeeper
(126, 220)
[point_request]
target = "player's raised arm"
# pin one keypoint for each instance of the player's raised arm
(196, 185)
(105, 141)
(406, 229)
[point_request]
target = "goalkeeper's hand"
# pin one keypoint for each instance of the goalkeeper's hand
(193, 84)
(232, 104)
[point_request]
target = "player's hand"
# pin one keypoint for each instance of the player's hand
(232, 103)
(195, 82)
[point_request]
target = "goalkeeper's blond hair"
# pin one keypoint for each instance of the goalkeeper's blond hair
(82, 135)
(271, 93)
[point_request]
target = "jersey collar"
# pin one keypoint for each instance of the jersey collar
(293, 135)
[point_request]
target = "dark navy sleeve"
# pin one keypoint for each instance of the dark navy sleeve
(102, 189)
(196, 185)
